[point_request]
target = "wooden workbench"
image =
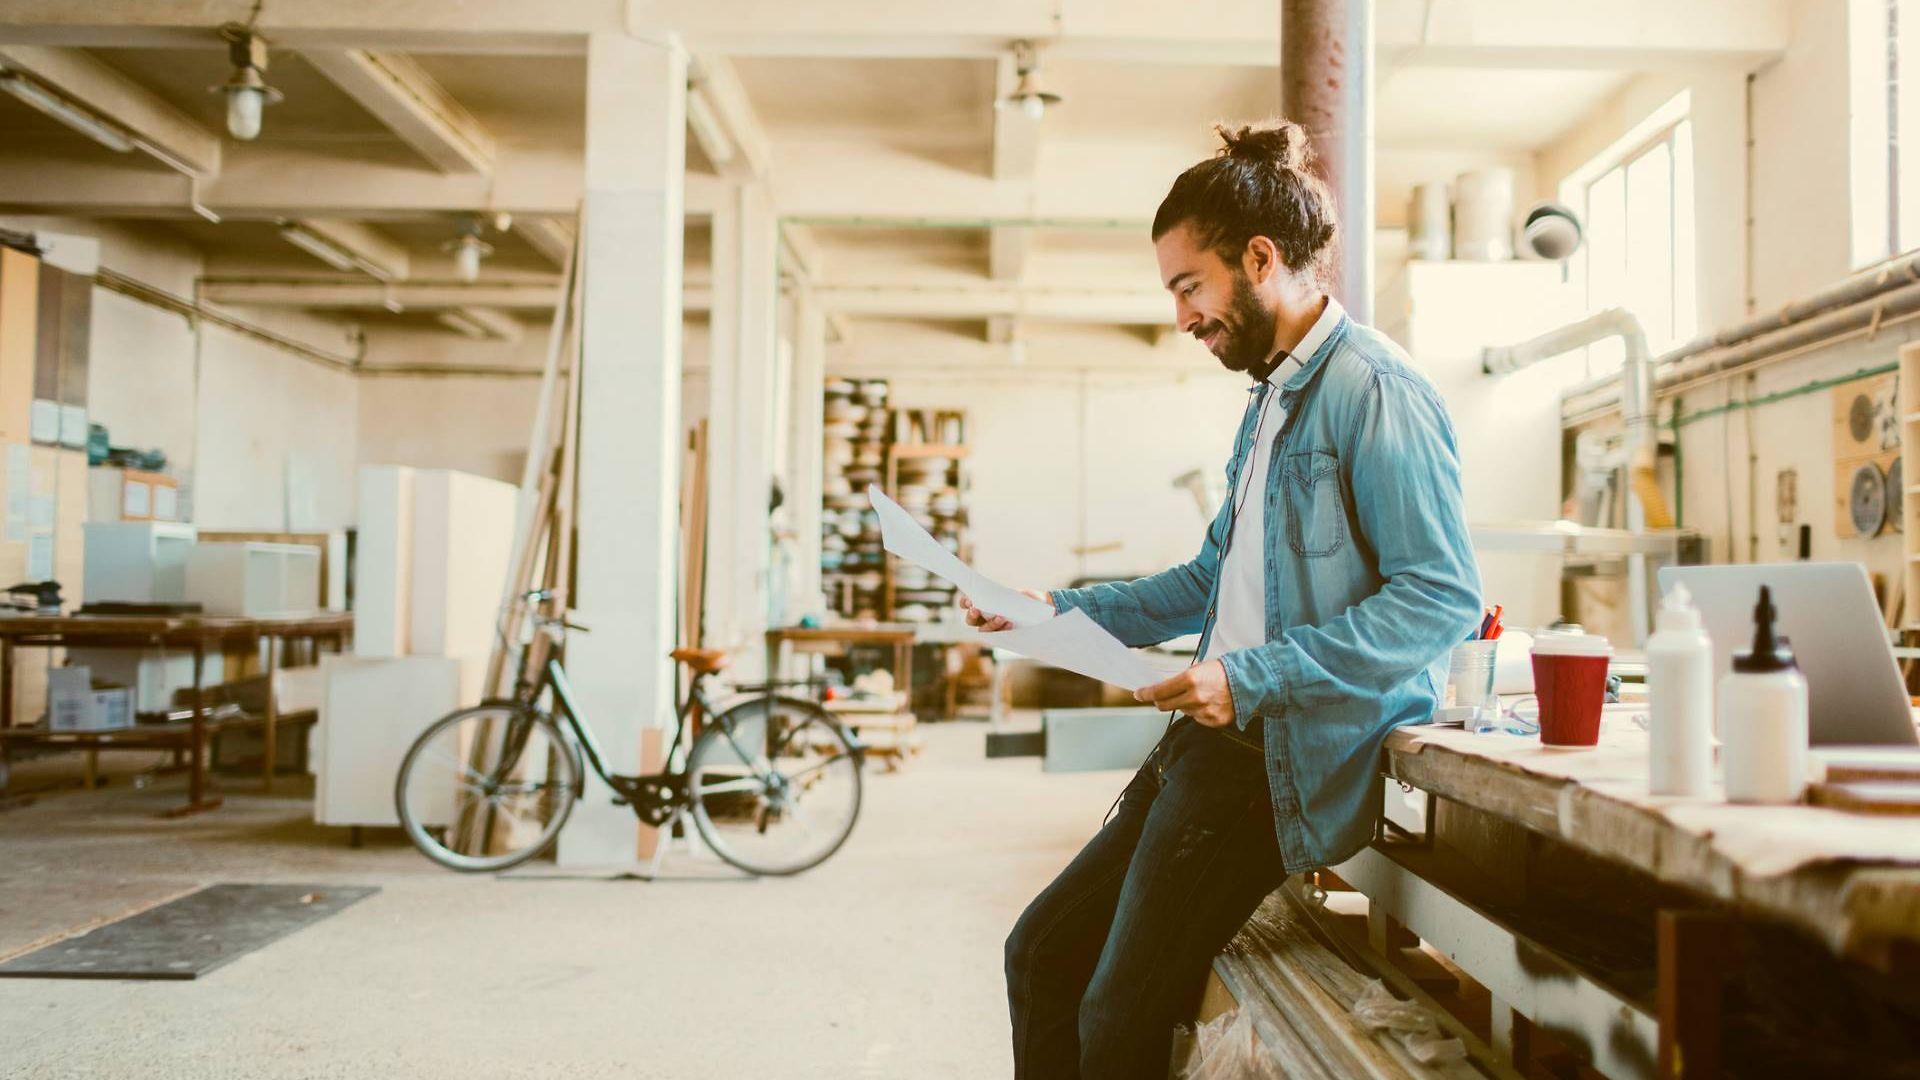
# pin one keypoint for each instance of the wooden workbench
(1615, 919)
(195, 633)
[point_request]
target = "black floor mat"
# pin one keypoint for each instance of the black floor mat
(188, 937)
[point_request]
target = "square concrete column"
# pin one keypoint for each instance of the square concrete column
(807, 403)
(628, 509)
(741, 422)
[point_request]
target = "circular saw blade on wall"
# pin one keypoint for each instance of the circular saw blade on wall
(1867, 499)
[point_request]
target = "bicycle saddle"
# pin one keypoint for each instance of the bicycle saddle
(704, 661)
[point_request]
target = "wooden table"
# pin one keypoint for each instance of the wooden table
(197, 633)
(1615, 919)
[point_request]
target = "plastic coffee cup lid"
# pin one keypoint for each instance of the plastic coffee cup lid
(1571, 645)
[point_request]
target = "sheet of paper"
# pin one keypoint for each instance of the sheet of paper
(903, 536)
(1077, 643)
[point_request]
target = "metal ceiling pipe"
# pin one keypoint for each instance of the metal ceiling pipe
(1865, 285)
(1642, 437)
(1326, 86)
(1599, 396)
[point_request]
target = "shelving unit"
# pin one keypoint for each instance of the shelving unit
(1909, 405)
(934, 490)
(858, 427)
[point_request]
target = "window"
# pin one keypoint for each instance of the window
(1639, 251)
(1884, 124)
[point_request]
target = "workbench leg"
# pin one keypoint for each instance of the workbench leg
(273, 714)
(6, 684)
(1695, 951)
(1510, 1034)
(197, 798)
(92, 779)
(1387, 935)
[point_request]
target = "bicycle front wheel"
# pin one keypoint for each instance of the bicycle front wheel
(487, 788)
(774, 785)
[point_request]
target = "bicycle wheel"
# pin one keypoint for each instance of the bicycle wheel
(774, 785)
(487, 788)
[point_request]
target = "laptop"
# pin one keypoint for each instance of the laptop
(1855, 693)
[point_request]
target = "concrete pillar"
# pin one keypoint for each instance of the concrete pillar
(1326, 86)
(628, 507)
(723, 365)
(741, 431)
(808, 400)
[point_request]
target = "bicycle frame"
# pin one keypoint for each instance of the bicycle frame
(655, 796)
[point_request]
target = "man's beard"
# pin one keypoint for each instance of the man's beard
(1246, 329)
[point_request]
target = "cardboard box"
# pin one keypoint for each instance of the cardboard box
(74, 703)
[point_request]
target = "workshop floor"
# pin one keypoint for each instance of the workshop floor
(884, 962)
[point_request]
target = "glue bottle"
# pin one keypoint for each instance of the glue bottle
(1763, 718)
(1680, 700)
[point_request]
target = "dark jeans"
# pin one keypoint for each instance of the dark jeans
(1108, 958)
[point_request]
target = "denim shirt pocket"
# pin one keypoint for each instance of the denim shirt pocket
(1316, 509)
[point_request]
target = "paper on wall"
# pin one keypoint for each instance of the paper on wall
(1077, 643)
(903, 536)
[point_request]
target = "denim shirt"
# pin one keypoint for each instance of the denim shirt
(1370, 581)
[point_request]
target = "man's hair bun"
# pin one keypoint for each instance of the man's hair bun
(1280, 143)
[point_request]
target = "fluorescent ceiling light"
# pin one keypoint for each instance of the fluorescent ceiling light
(320, 248)
(707, 130)
(458, 320)
(331, 252)
(481, 322)
(79, 119)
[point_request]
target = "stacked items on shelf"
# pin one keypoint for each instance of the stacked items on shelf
(926, 479)
(852, 562)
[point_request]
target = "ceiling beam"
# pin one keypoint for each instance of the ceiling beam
(292, 180)
(323, 294)
(549, 27)
(169, 135)
(1001, 330)
(1008, 247)
(1617, 33)
(400, 94)
(1119, 307)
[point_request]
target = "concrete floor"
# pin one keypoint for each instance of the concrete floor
(884, 962)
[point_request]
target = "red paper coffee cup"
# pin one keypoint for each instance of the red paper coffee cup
(1570, 679)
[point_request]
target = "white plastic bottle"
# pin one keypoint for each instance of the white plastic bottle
(1680, 697)
(1763, 718)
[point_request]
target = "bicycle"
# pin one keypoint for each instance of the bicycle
(489, 787)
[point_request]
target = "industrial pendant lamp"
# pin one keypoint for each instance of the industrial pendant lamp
(248, 94)
(468, 249)
(1028, 95)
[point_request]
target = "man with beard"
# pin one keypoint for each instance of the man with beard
(1327, 593)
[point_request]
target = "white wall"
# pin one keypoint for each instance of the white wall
(235, 415)
(473, 423)
(1078, 446)
(276, 433)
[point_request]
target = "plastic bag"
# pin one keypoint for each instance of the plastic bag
(1225, 1048)
(1413, 1026)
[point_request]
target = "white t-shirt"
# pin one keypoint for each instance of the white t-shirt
(1242, 609)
